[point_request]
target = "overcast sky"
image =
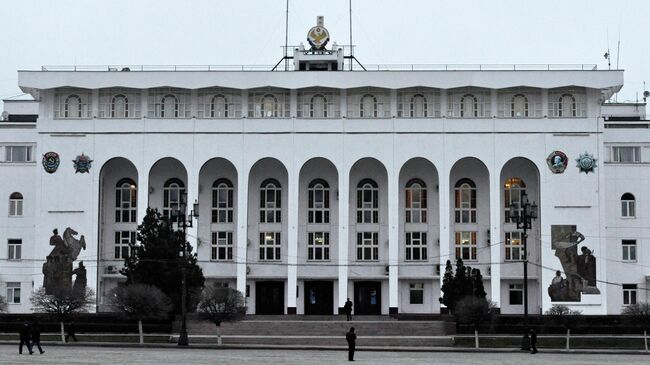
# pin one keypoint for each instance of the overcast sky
(251, 32)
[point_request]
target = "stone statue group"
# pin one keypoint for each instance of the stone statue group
(58, 268)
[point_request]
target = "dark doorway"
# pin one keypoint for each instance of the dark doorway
(269, 297)
(319, 297)
(367, 297)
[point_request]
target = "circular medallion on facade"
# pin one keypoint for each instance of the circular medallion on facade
(557, 161)
(82, 164)
(586, 163)
(51, 162)
(318, 37)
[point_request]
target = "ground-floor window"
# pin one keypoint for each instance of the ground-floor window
(270, 246)
(416, 293)
(367, 246)
(15, 249)
(416, 246)
(516, 294)
(13, 293)
(514, 247)
(122, 241)
(466, 245)
(629, 294)
(318, 246)
(221, 246)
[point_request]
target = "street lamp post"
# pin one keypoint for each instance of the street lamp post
(183, 222)
(523, 213)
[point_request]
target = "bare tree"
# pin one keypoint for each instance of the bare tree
(220, 304)
(62, 306)
(3, 304)
(566, 317)
(639, 314)
(141, 302)
(475, 311)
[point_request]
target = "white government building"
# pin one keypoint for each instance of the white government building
(320, 183)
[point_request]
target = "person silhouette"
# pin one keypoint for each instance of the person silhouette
(25, 338)
(351, 337)
(347, 308)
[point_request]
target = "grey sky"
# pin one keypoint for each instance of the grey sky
(218, 32)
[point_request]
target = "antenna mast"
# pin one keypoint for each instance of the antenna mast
(351, 46)
(286, 38)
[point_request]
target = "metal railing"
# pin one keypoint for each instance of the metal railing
(368, 67)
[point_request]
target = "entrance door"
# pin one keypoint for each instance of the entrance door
(269, 297)
(367, 297)
(319, 297)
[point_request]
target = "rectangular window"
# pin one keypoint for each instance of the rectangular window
(270, 246)
(15, 249)
(626, 154)
(466, 245)
(270, 205)
(516, 294)
(629, 250)
(367, 246)
(122, 241)
(416, 293)
(318, 246)
(514, 247)
(18, 154)
(629, 294)
(368, 205)
(416, 246)
(222, 204)
(13, 293)
(318, 204)
(222, 246)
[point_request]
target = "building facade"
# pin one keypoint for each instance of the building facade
(317, 186)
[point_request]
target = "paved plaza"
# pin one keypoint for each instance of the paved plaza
(102, 355)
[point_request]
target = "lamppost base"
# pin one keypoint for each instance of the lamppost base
(525, 343)
(183, 339)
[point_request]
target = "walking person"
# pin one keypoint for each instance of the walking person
(36, 337)
(347, 308)
(533, 341)
(351, 337)
(25, 338)
(70, 332)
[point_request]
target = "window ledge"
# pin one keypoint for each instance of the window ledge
(629, 261)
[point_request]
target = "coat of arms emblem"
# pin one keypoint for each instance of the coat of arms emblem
(51, 162)
(82, 164)
(318, 36)
(557, 162)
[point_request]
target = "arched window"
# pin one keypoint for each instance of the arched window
(270, 202)
(16, 204)
(419, 106)
(628, 206)
(318, 106)
(119, 106)
(222, 201)
(416, 201)
(519, 106)
(368, 106)
(512, 191)
(172, 191)
(169, 106)
(367, 201)
(318, 200)
(219, 107)
(567, 106)
(465, 201)
(72, 107)
(469, 106)
(269, 106)
(125, 201)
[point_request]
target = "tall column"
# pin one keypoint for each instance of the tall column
(344, 233)
(444, 213)
(242, 228)
(292, 243)
(495, 237)
(192, 197)
(143, 192)
(393, 241)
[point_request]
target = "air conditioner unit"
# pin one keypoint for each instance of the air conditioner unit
(111, 269)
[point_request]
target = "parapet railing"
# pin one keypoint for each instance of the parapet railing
(368, 67)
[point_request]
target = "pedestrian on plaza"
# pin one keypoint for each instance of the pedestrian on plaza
(70, 332)
(347, 308)
(351, 337)
(25, 338)
(533, 341)
(36, 336)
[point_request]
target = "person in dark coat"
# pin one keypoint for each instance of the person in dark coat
(25, 338)
(347, 308)
(351, 337)
(70, 332)
(533, 341)
(36, 337)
